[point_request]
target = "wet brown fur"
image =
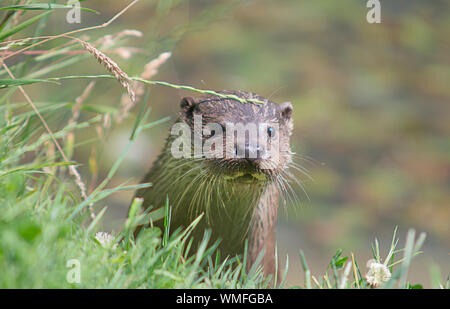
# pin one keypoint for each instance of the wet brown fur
(235, 210)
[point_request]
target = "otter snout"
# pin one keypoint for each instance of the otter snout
(250, 152)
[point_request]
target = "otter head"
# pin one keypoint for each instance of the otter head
(245, 142)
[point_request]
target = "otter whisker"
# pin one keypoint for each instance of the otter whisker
(290, 193)
(306, 158)
(297, 181)
(191, 208)
(240, 195)
(301, 169)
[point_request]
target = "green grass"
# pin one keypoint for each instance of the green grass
(40, 235)
(46, 224)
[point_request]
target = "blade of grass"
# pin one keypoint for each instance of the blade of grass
(355, 273)
(306, 270)
(22, 26)
(44, 6)
(5, 83)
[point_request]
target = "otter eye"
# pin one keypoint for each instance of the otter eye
(271, 131)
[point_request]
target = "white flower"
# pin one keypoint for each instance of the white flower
(105, 239)
(377, 274)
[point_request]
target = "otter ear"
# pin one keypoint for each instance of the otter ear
(187, 105)
(286, 110)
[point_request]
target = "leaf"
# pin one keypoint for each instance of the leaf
(415, 287)
(97, 219)
(5, 83)
(337, 261)
(22, 25)
(44, 6)
(34, 168)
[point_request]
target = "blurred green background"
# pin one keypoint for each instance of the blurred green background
(371, 110)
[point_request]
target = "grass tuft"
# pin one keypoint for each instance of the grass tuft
(44, 228)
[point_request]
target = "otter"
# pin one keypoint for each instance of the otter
(239, 194)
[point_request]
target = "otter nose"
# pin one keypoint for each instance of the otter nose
(250, 152)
